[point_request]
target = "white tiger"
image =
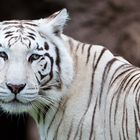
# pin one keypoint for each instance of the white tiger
(74, 91)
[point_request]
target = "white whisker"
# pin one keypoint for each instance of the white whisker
(34, 107)
(46, 101)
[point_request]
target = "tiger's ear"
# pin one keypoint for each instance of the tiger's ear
(54, 23)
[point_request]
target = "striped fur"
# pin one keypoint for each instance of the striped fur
(82, 91)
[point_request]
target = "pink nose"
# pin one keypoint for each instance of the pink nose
(16, 88)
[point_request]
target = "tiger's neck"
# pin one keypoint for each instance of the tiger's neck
(48, 119)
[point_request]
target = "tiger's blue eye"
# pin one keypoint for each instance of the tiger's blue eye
(3, 55)
(34, 57)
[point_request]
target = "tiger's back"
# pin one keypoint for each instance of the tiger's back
(103, 99)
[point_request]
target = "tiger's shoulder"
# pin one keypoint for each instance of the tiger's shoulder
(88, 52)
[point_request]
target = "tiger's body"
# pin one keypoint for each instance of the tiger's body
(108, 112)
(74, 91)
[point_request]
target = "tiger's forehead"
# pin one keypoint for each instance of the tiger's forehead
(19, 25)
(22, 31)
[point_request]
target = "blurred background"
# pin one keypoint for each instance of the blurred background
(112, 23)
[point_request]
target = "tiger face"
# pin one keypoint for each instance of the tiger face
(35, 67)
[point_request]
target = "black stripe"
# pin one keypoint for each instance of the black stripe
(94, 66)
(27, 39)
(9, 41)
(136, 85)
(70, 130)
(126, 121)
(30, 29)
(51, 71)
(104, 77)
(8, 35)
(120, 91)
(45, 66)
(10, 22)
(93, 72)
(83, 46)
(88, 54)
(89, 99)
(8, 27)
(120, 75)
(128, 91)
(32, 34)
(81, 134)
(31, 24)
(45, 110)
(53, 119)
(122, 123)
(110, 85)
(41, 75)
(31, 37)
(118, 94)
(71, 44)
(92, 123)
(58, 60)
(37, 79)
(136, 126)
(92, 80)
(62, 118)
(77, 47)
(127, 84)
(102, 52)
(39, 115)
(9, 32)
(110, 116)
(46, 46)
(38, 47)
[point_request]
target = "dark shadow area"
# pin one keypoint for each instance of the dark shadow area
(13, 127)
(28, 9)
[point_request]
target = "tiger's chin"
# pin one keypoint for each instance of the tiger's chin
(16, 107)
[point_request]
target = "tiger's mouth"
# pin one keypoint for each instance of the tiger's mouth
(16, 106)
(16, 101)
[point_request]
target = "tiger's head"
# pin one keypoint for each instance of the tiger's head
(35, 67)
